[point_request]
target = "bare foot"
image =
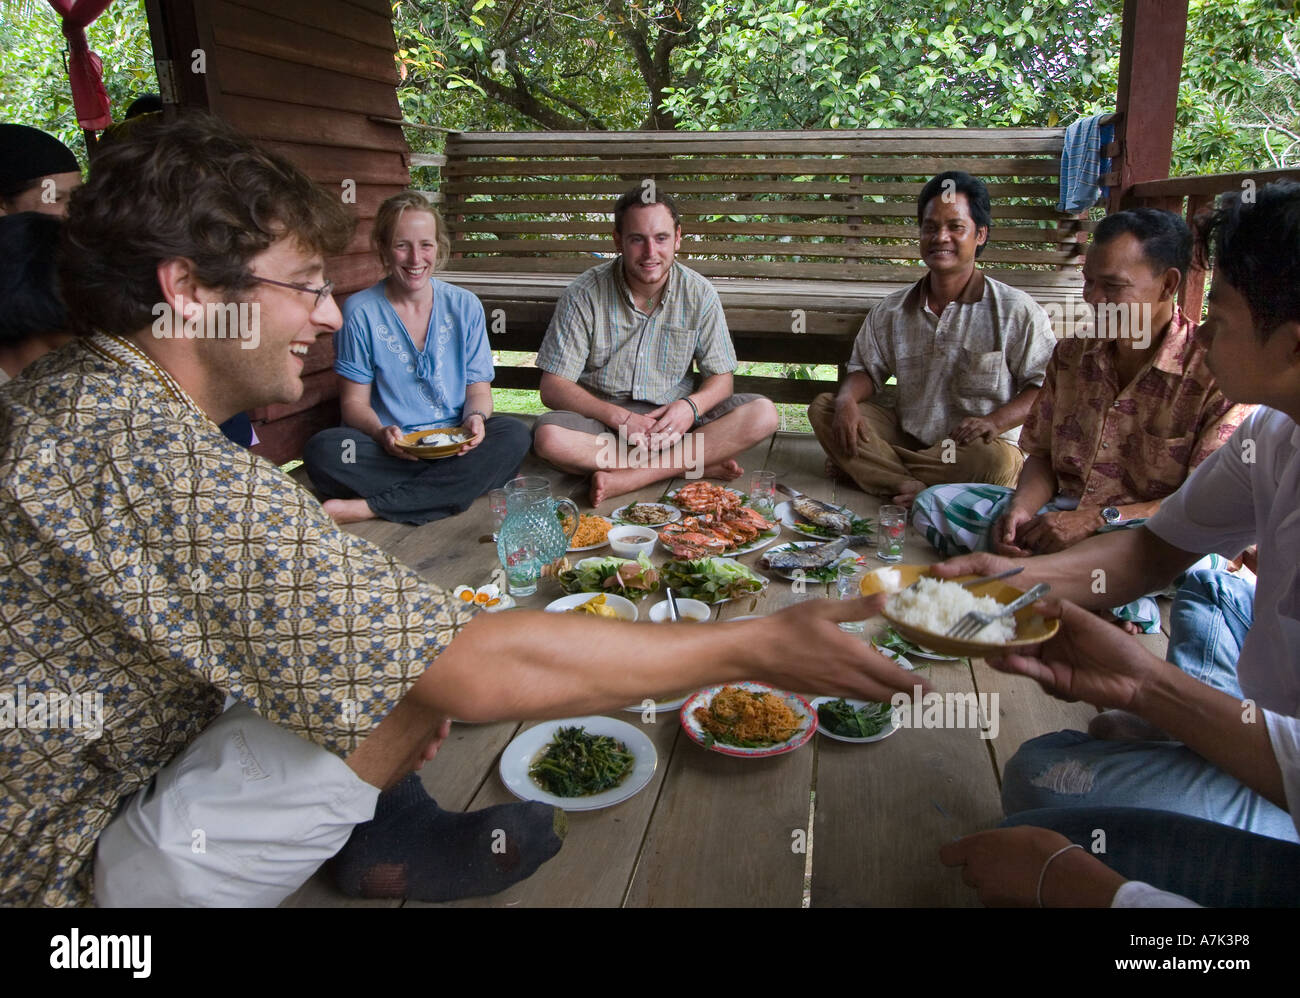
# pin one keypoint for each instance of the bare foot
(835, 473)
(727, 470)
(600, 487)
(908, 490)
(348, 510)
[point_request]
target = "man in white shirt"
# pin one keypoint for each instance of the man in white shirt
(1201, 745)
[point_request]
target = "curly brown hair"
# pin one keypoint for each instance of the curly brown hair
(381, 234)
(196, 189)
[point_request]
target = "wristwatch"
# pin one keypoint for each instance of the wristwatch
(1110, 515)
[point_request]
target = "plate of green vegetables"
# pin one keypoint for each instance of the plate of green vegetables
(856, 721)
(895, 645)
(579, 763)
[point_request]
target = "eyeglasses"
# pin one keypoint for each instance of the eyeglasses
(321, 293)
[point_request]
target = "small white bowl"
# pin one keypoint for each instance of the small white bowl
(625, 608)
(618, 540)
(690, 609)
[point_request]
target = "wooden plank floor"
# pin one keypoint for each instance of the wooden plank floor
(711, 830)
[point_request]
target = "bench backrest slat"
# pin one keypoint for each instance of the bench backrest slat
(817, 205)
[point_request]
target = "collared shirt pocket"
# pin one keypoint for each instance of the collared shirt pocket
(981, 376)
(1163, 457)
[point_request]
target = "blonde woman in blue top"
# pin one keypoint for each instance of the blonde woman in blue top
(412, 354)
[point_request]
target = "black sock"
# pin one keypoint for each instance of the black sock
(414, 849)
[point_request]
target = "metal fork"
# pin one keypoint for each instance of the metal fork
(975, 621)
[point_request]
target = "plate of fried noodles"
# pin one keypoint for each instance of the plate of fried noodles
(749, 720)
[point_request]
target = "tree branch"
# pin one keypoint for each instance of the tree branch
(522, 100)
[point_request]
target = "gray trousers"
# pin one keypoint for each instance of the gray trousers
(414, 491)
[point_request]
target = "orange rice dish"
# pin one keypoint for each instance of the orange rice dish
(738, 715)
(591, 530)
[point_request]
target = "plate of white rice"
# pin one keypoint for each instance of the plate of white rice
(435, 442)
(925, 612)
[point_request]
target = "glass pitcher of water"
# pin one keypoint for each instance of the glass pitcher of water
(532, 535)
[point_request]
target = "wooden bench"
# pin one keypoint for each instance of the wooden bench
(800, 232)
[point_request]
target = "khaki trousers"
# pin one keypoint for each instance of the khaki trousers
(886, 455)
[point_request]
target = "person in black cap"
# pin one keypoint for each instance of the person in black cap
(37, 171)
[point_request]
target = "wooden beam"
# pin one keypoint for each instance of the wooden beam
(514, 141)
(1209, 184)
(776, 389)
(1150, 69)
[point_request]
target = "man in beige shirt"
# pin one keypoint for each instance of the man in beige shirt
(969, 354)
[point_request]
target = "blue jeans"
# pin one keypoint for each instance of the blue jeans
(1068, 769)
(1214, 865)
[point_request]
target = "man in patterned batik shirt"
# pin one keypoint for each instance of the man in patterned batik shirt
(1124, 415)
(152, 573)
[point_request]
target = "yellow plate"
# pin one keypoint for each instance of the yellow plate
(1031, 628)
(408, 442)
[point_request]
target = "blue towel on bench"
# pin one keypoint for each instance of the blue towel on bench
(1082, 165)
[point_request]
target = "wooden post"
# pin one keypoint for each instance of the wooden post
(1150, 69)
(177, 31)
(1193, 294)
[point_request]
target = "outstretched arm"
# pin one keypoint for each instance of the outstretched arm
(530, 665)
(1103, 571)
(1093, 661)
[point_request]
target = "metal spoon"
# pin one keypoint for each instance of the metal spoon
(673, 613)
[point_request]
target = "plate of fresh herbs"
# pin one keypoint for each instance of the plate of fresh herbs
(856, 721)
(579, 764)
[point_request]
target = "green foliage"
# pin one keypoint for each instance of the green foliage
(754, 64)
(1240, 94)
(558, 64)
(902, 63)
(34, 87)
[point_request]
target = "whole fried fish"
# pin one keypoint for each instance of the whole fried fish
(808, 559)
(814, 512)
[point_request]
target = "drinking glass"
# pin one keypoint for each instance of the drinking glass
(891, 525)
(497, 498)
(848, 585)
(762, 492)
(523, 568)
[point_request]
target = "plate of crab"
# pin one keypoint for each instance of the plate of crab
(719, 523)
